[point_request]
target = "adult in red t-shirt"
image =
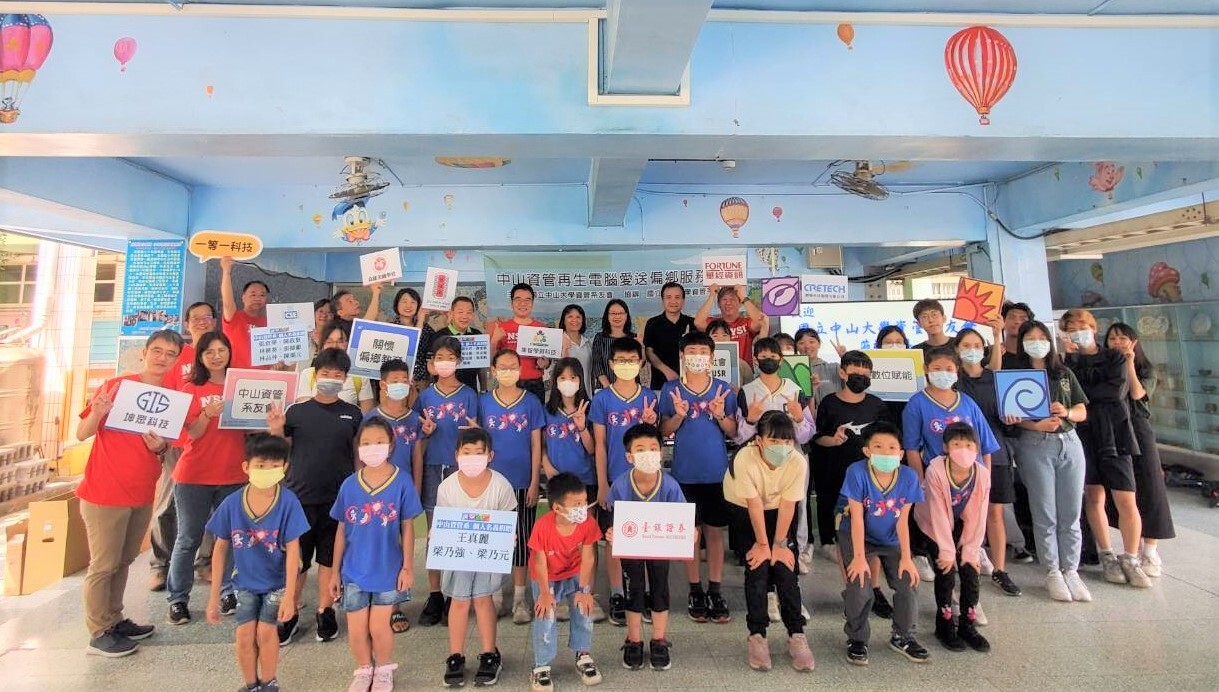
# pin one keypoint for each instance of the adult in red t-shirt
(200, 320)
(742, 326)
(237, 323)
(504, 335)
(116, 502)
(208, 471)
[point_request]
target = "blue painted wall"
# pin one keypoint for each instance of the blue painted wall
(1122, 278)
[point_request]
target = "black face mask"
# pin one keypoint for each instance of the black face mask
(769, 366)
(858, 383)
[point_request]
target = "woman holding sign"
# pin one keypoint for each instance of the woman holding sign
(208, 471)
(355, 390)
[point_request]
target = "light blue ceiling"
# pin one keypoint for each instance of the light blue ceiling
(896, 173)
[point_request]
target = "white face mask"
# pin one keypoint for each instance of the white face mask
(568, 387)
(647, 462)
(698, 362)
(1037, 349)
(973, 356)
(577, 515)
(1083, 338)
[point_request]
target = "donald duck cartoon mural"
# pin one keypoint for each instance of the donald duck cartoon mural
(355, 226)
(351, 211)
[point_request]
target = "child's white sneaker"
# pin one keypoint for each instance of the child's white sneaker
(587, 668)
(987, 567)
(924, 568)
(540, 681)
(361, 680)
(804, 561)
(383, 678)
(1079, 590)
(772, 607)
(1057, 586)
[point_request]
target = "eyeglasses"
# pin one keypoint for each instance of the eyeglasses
(522, 299)
(628, 361)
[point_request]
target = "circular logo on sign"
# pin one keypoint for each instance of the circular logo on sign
(783, 295)
(630, 529)
(379, 264)
(152, 402)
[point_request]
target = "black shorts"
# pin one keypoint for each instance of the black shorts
(1002, 484)
(710, 507)
(643, 578)
(526, 517)
(319, 539)
(1114, 472)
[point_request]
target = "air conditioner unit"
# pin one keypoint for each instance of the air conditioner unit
(823, 256)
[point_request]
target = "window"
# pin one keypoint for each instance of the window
(103, 284)
(17, 284)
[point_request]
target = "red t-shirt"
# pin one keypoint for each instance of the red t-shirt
(215, 458)
(238, 332)
(179, 374)
(529, 366)
(563, 553)
(121, 472)
(742, 333)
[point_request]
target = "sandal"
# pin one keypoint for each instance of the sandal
(398, 622)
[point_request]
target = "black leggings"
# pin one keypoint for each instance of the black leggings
(946, 581)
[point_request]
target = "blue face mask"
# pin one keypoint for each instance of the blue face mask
(942, 379)
(776, 455)
(973, 356)
(885, 463)
(397, 390)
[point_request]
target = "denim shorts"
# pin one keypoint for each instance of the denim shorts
(356, 600)
(468, 585)
(263, 607)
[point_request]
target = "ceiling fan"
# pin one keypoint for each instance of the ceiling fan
(861, 182)
(360, 182)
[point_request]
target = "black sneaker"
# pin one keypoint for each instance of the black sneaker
(179, 614)
(1022, 556)
(433, 610)
(946, 633)
(489, 665)
(697, 606)
(111, 645)
(658, 654)
(968, 632)
(1005, 583)
(647, 608)
(717, 608)
(132, 631)
(880, 605)
(455, 671)
(327, 625)
(228, 604)
(288, 630)
(857, 653)
(632, 655)
(617, 609)
(271, 685)
(909, 648)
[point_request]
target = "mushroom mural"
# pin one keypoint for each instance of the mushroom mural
(1164, 283)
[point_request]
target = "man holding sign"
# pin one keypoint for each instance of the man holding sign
(742, 327)
(504, 335)
(237, 323)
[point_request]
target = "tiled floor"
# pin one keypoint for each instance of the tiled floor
(1161, 639)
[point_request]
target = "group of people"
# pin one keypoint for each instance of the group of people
(914, 489)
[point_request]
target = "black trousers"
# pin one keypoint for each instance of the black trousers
(945, 581)
(760, 580)
(828, 477)
(637, 575)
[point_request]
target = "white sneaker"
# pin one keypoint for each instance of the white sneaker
(829, 552)
(497, 599)
(924, 568)
(1135, 575)
(522, 612)
(1057, 586)
(979, 616)
(772, 607)
(1153, 566)
(987, 567)
(804, 561)
(1079, 590)
(808, 618)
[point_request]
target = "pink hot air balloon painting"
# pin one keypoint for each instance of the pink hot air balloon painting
(777, 212)
(25, 43)
(124, 51)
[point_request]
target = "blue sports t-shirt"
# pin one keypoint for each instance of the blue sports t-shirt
(960, 494)
(372, 528)
(449, 412)
(566, 450)
(699, 455)
(924, 420)
(510, 424)
(617, 414)
(259, 542)
(881, 506)
(625, 490)
(406, 434)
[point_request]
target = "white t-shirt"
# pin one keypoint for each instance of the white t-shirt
(354, 391)
(499, 494)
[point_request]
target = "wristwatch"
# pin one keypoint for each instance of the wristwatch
(586, 589)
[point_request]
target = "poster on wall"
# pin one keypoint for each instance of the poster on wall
(152, 287)
(855, 325)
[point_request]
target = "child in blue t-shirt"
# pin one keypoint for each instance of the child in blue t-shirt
(443, 409)
(569, 438)
(873, 519)
(645, 482)
(374, 551)
(514, 419)
(263, 523)
(933, 409)
(395, 389)
(701, 410)
(616, 408)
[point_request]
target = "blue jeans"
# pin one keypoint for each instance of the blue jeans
(1052, 466)
(194, 505)
(545, 630)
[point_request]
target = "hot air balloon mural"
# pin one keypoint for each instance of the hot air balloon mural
(735, 212)
(124, 51)
(25, 43)
(982, 66)
(846, 34)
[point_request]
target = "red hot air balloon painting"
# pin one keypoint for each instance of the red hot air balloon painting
(25, 43)
(982, 66)
(124, 51)
(735, 212)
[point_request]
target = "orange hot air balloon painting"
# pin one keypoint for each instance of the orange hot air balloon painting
(846, 34)
(735, 212)
(25, 43)
(982, 66)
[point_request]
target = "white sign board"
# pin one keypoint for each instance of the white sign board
(475, 351)
(654, 530)
(294, 316)
(855, 325)
(471, 540)
(823, 288)
(373, 343)
(726, 270)
(385, 265)
(539, 342)
(439, 289)
(897, 375)
(139, 408)
(270, 345)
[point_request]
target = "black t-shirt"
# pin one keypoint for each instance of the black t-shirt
(982, 391)
(662, 336)
(926, 347)
(834, 412)
(323, 453)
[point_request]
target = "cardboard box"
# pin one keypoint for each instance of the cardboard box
(14, 557)
(56, 544)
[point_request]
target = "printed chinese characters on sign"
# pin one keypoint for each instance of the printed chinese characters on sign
(472, 540)
(250, 394)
